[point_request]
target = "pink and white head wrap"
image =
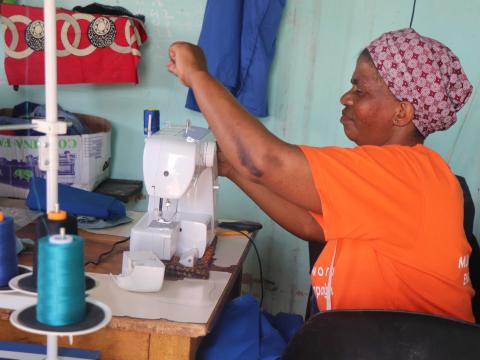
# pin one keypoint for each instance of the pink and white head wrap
(423, 72)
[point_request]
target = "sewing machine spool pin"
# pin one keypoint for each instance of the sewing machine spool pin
(187, 127)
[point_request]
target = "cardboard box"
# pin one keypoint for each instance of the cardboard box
(84, 160)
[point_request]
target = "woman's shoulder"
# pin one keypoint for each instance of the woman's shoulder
(418, 150)
(394, 152)
(415, 151)
(397, 158)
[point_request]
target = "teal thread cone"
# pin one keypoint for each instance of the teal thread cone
(61, 282)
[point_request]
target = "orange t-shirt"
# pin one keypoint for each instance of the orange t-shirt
(393, 222)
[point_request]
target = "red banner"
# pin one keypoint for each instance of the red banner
(90, 48)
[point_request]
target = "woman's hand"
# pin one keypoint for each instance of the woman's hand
(185, 60)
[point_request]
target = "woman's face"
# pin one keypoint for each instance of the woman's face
(369, 107)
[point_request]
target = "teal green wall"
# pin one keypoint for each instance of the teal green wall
(317, 47)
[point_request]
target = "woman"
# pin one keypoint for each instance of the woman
(390, 210)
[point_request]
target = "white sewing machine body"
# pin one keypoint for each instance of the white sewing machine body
(180, 175)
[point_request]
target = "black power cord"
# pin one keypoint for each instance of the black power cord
(242, 227)
(413, 13)
(100, 257)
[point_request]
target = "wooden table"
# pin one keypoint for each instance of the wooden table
(128, 338)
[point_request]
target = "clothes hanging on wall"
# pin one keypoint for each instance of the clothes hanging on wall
(96, 8)
(238, 38)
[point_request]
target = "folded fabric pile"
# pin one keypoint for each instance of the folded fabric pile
(76, 201)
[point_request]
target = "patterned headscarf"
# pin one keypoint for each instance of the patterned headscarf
(425, 73)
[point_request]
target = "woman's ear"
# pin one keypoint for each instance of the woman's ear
(404, 114)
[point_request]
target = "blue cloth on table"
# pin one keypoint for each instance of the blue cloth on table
(76, 201)
(238, 39)
(243, 331)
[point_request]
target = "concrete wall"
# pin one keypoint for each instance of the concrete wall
(318, 43)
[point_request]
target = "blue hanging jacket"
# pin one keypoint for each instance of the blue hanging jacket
(238, 39)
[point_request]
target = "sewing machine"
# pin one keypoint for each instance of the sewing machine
(180, 175)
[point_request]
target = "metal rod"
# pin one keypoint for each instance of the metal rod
(51, 100)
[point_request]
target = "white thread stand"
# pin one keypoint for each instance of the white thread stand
(52, 335)
(49, 162)
(51, 127)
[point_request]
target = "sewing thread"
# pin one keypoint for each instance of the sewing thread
(8, 254)
(61, 280)
(43, 227)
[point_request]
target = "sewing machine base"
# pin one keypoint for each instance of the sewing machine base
(187, 232)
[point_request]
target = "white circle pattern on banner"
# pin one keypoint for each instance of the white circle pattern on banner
(9, 23)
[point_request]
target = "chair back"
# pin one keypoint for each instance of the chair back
(376, 334)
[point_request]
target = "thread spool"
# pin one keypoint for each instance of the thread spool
(61, 280)
(8, 253)
(151, 121)
(50, 224)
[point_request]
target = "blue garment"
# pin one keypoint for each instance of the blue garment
(76, 201)
(243, 331)
(286, 324)
(238, 39)
(29, 110)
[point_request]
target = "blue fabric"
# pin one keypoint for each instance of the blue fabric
(77, 127)
(272, 343)
(76, 201)
(29, 110)
(286, 324)
(243, 331)
(27, 349)
(238, 39)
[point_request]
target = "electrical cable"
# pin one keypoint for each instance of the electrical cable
(241, 228)
(99, 258)
(413, 13)
(259, 264)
